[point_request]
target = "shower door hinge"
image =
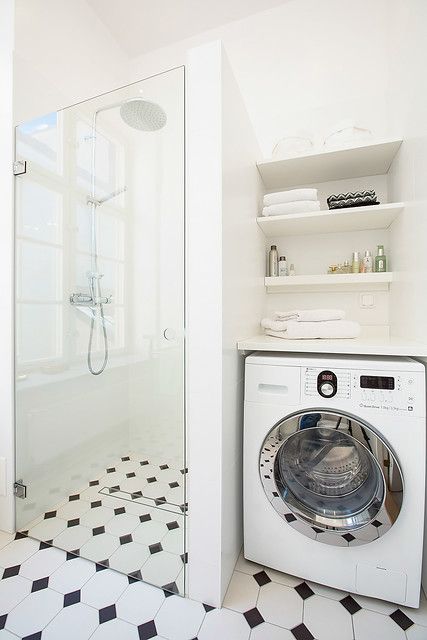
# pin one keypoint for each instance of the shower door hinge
(19, 167)
(20, 489)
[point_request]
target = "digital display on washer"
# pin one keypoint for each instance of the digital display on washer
(377, 382)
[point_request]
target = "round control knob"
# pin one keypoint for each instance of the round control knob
(326, 389)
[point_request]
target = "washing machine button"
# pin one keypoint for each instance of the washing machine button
(326, 389)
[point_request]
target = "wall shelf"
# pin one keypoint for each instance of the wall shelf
(328, 282)
(336, 164)
(330, 221)
(365, 346)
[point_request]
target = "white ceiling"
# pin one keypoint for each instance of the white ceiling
(139, 26)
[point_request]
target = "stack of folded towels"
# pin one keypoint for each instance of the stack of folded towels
(293, 201)
(310, 324)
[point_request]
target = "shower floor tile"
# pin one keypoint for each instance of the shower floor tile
(130, 517)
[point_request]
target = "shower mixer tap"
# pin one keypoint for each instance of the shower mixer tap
(87, 300)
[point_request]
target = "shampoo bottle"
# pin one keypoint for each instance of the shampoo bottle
(273, 262)
(380, 260)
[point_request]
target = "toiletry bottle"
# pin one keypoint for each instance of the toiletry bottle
(273, 262)
(355, 262)
(380, 260)
(283, 266)
(292, 269)
(346, 268)
(367, 262)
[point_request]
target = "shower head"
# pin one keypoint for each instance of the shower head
(142, 115)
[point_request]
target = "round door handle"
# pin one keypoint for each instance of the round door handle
(169, 334)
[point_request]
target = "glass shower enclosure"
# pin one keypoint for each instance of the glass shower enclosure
(100, 437)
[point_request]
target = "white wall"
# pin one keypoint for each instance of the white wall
(225, 296)
(64, 54)
(7, 473)
(299, 67)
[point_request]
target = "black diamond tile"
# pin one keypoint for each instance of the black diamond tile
(184, 507)
(173, 485)
(125, 459)
(48, 542)
(376, 523)
(73, 523)
(131, 475)
(184, 471)
(275, 494)
(71, 555)
(172, 525)
(207, 607)
(98, 530)
(21, 534)
(102, 564)
(134, 576)
(119, 511)
(401, 619)
(155, 548)
(49, 514)
(143, 463)
(351, 605)
(41, 583)
(136, 494)
(107, 613)
(147, 630)
(170, 589)
(114, 489)
(184, 557)
(71, 598)
(262, 578)
(152, 479)
(289, 517)
(111, 469)
(95, 504)
(304, 591)
(3, 621)
(302, 633)
(93, 483)
(348, 537)
(163, 467)
(160, 500)
(145, 517)
(74, 497)
(125, 539)
(33, 636)
(75, 552)
(9, 572)
(253, 617)
(44, 545)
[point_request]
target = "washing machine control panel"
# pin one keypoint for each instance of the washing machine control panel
(399, 392)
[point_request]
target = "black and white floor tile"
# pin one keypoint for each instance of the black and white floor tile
(129, 518)
(49, 594)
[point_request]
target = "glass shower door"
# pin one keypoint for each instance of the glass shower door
(100, 330)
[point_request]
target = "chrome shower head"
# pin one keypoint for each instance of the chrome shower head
(142, 115)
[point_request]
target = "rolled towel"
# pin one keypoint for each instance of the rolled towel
(330, 330)
(310, 315)
(294, 195)
(302, 206)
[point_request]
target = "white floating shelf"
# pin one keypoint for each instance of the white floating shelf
(379, 216)
(370, 159)
(326, 282)
(365, 346)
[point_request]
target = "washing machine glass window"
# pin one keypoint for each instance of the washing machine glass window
(330, 472)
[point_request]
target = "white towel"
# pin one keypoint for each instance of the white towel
(309, 315)
(302, 206)
(318, 330)
(294, 195)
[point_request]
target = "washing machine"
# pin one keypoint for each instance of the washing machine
(334, 470)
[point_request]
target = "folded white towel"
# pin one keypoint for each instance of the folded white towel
(294, 195)
(309, 315)
(317, 330)
(274, 325)
(286, 208)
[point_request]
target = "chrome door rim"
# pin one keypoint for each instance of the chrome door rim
(368, 525)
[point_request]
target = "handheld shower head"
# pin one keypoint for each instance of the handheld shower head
(142, 115)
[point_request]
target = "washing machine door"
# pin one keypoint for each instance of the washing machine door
(331, 472)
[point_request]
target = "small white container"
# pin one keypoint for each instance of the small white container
(283, 266)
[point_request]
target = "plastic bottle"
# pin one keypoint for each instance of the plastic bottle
(283, 266)
(355, 264)
(273, 262)
(367, 262)
(380, 260)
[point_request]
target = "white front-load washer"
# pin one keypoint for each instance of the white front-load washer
(334, 470)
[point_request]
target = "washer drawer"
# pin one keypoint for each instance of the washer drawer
(272, 385)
